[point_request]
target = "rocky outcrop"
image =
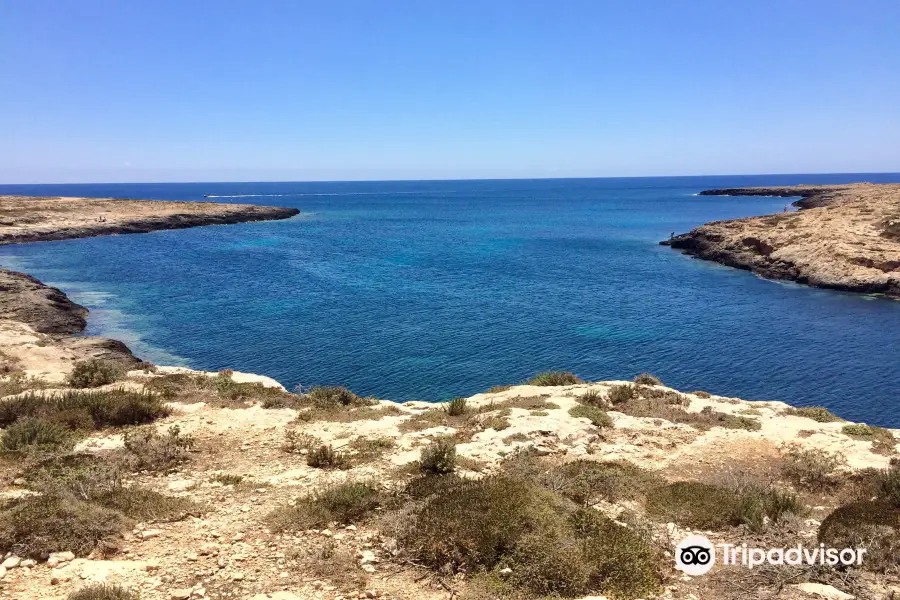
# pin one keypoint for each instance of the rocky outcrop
(46, 309)
(39, 325)
(36, 219)
(843, 238)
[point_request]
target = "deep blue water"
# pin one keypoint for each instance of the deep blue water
(428, 290)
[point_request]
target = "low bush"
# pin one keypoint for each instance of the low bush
(554, 378)
(882, 439)
(335, 397)
(587, 482)
(820, 414)
(299, 442)
(888, 489)
(227, 478)
(371, 448)
(326, 457)
(146, 505)
(35, 435)
(705, 506)
(103, 591)
(81, 476)
(813, 469)
(592, 398)
(647, 379)
(146, 449)
(35, 526)
(343, 503)
(495, 422)
(456, 407)
(498, 389)
(86, 409)
(874, 526)
(94, 373)
(669, 407)
(619, 394)
(552, 547)
(439, 457)
(596, 415)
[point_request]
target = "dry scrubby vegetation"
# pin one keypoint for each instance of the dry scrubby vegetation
(529, 529)
(80, 502)
(643, 399)
(81, 505)
(45, 421)
(103, 591)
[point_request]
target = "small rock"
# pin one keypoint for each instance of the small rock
(237, 576)
(368, 557)
(505, 572)
(326, 532)
(182, 594)
(58, 576)
(821, 591)
(150, 533)
(28, 563)
(58, 558)
(11, 563)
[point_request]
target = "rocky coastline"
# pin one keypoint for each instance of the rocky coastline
(163, 483)
(843, 238)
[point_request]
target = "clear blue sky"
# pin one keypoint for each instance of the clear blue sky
(192, 90)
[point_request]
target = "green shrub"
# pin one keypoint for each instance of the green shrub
(889, 486)
(94, 373)
(344, 503)
(146, 449)
(335, 397)
(86, 409)
(35, 526)
(660, 404)
(103, 591)
(647, 379)
(552, 547)
(30, 435)
(146, 505)
(554, 378)
(227, 478)
(439, 457)
(81, 476)
(498, 389)
(882, 439)
(592, 398)
(456, 407)
(874, 526)
(622, 563)
(326, 457)
(597, 416)
(704, 506)
(820, 414)
(587, 482)
(494, 422)
(619, 394)
(814, 469)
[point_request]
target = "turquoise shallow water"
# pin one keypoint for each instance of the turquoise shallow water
(428, 290)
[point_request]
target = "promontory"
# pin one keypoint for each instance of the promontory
(844, 237)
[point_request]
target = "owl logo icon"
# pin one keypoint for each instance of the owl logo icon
(695, 555)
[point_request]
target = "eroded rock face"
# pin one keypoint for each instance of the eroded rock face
(842, 239)
(46, 309)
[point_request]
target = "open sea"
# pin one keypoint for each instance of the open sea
(434, 289)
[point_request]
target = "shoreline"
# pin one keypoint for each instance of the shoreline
(844, 238)
(35, 316)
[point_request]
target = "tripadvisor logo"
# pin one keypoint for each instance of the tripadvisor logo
(696, 555)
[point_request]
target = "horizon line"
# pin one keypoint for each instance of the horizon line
(461, 179)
